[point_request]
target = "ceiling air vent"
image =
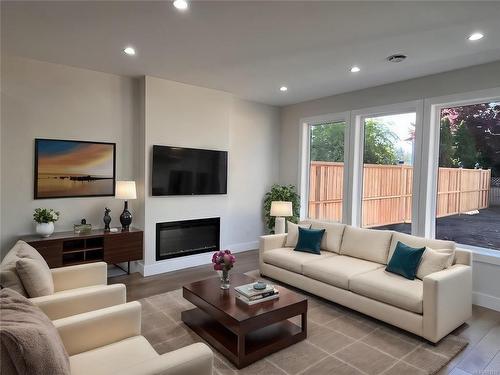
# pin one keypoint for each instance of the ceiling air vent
(396, 58)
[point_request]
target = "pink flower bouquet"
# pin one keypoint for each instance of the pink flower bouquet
(223, 260)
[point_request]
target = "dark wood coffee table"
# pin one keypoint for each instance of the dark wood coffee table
(244, 334)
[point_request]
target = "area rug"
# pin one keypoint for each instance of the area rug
(340, 341)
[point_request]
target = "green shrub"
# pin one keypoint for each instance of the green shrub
(281, 193)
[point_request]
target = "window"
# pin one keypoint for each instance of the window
(468, 187)
(388, 171)
(429, 167)
(326, 170)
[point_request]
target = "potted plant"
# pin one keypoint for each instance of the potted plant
(281, 193)
(223, 261)
(44, 219)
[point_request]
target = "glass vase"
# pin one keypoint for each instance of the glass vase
(224, 280)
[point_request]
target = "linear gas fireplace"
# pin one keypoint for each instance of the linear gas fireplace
(179, 238)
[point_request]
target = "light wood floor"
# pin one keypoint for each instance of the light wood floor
(481, 357)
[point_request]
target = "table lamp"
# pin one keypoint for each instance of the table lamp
(125, 190)
(280, 210)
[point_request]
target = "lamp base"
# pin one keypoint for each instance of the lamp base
(279, 225)
(126, 218)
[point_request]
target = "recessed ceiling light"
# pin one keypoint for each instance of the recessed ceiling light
(283, 88)
(475, 36)
(129, 51)
(181, 4)
(396, 58)
(354, 69)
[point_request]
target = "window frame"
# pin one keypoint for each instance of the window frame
(358, 135)
(430, 154)
(305, 157)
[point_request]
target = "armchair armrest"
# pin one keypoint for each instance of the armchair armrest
(91, 330)
(447, 301)
(81, 275)
(195, 359)
(269, 242)
(76, 301)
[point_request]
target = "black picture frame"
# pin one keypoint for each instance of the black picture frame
(36, 167)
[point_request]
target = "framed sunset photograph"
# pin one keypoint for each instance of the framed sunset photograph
(65, 168)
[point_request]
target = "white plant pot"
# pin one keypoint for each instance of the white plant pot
(45, 229)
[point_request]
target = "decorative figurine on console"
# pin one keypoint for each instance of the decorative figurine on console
(106, 219)
(82, 228)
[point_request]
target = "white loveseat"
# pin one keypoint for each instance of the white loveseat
(351, 271)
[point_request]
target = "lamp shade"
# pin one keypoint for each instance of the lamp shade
(125, 190)
(281, 209)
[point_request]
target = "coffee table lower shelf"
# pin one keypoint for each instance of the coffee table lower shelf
(242, 351)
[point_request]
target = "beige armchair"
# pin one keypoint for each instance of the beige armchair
(59, 292)
(109, 341)
(79, 289)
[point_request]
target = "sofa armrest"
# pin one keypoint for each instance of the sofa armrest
(91, 330)
(195, 359)
(79, 276)
(269, 242)
(76, 301)
(447, 301)
(272, 241)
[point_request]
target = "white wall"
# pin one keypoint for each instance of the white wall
(254, 154)
(44, 100)
(188, 116)
(486, 272)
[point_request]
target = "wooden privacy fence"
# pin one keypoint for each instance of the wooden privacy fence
(387, 192)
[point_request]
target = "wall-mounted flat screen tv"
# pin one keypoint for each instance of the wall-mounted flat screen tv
(188, 171)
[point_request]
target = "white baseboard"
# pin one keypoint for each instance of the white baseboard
(486, 300)
(180, 263)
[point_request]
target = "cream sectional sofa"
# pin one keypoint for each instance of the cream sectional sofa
(351, 271)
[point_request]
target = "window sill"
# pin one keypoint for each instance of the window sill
(482, 255)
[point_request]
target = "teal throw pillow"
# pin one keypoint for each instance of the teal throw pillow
(309, 240)
(405, 260)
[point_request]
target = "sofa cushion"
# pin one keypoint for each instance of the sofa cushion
(405, 260)
(338, 270)
(333, 235)
(389, 288)
(293, 233)
(367, 244)
(415, 241)
(8, 273)
(10, 279)
(310, 240)
(434, 261)
(113, 358)
(292, 260)
(36, 277)
(30, 344)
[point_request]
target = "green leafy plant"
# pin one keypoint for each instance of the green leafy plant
(285, 193)
(45, 215)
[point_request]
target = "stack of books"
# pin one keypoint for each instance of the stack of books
(249, 295)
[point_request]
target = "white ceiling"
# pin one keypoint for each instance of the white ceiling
(251, 48)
